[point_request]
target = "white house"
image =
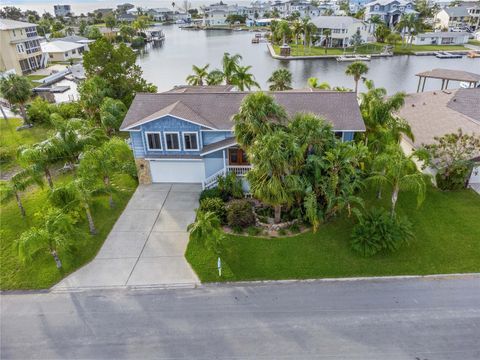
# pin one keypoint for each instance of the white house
(440, 38)
(58, 50)
(390, 11)
(342, 28)
(216, 14)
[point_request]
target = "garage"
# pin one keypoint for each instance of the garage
(185, 171)
(475, 177)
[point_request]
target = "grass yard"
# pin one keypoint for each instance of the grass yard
(371, 48)
(35, 78)
(42, 272)
(447, 241)
(474, 42)
(11, 139)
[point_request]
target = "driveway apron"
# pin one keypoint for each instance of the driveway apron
(147, 244)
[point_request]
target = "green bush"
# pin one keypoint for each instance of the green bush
(253, 231)
(68, 110)
(230, 186)
(138, 42)
(210, 193)
(282, 232)
(39, 111)
(294, 229)
(215, 205)
(240, 213)
(377, 230)
(456, 178)
(5, 155)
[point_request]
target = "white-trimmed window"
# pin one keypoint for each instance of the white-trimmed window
(172, 141)
(190, 141)
(153, 141)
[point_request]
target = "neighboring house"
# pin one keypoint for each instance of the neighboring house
(342, 28)
(216, 14)
(440, 38)
(390, 11)
(104, 12)
(461, 17)
(62, 10)
(77, 39)
(186, 135)
(20, 47)
(437, 113)
(126, 18)
(58, 50)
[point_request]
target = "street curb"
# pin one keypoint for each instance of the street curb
(348, 279)
(125, 287)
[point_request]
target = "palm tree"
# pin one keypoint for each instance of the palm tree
(19, 183)
(394, 168)
(214, 77)
(104, 162)
(271, 179)
(242, 79)
(258, 115)
(206, 229)
(409, 24)
(327, 33)
(280, 80)
(112, 113)
(375, 20)
(17, 90)
(297, 29)
(283, 31)
(314, 84)
(356, 69)
(56, 233)
(379, 114)
(230, 64)
(309, 29)
(199, 75)
(41, 156)
(78, 193)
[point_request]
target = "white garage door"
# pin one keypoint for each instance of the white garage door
(475, 178)
(177, 171)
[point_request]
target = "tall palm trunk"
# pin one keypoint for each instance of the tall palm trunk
(278, 213)
(58, 262)
(24, 113)
(20, 205)
(91, 224)
(48, 175)
(395, 191)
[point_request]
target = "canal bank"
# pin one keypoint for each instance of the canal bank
(168, 65)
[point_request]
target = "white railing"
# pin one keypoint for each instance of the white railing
(239, 170)
(212, 180)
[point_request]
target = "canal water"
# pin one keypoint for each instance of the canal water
(169, 64)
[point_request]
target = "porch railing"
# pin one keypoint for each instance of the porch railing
(212, 180)
(240, 170)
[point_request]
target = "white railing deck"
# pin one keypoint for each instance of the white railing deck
(212, 180)
(240, 170)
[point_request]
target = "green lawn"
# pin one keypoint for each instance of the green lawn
(41, 272)
(372, 48)
(474, 42)
(11, 139)
(35, 78)
(447, 241)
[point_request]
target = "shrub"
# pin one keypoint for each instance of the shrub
(282, 232)
(377, 230)
(39, 111)
(210, 193)
(68, 110)
(240, 213)
(230, 186)
(455, 179)
(294, 229)
(138, 42)
(215, 205)
(5, 155)
(253, 231)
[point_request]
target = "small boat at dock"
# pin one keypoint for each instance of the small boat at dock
(354, 58)
(447, 55)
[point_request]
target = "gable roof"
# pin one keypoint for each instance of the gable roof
(215, 110)
(456, 11)
(59, 46)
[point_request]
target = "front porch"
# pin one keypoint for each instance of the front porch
(234, 161)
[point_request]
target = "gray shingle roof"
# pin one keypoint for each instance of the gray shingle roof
(215, 110)
(219, 145)
(457, 11)
(334, 22)
(8, 24)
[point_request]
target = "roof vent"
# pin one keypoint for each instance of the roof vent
(413, 105)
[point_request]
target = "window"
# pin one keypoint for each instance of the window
(153, 141)
(172, 141)
(190, 141)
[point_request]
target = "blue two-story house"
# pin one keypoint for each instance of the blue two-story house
(187, 136)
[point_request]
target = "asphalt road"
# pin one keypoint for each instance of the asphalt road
(396, 319)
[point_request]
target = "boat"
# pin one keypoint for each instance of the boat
(447, 55)
(354, 58)
(473, 54)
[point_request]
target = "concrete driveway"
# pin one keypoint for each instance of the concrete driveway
(147, 244)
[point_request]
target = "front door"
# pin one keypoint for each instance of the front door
(237, 157)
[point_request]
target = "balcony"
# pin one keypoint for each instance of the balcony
(239, 170)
